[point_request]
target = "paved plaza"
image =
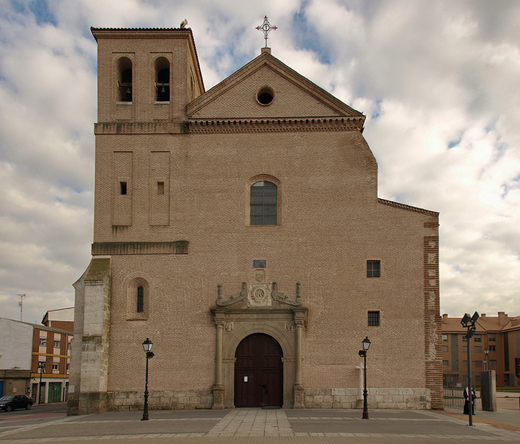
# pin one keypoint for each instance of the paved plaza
(262, 426)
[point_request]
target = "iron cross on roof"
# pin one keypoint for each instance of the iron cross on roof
(265, 27)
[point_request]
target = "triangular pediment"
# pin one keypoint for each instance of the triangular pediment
(293, 95)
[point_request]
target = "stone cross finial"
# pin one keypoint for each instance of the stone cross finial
(265, 27)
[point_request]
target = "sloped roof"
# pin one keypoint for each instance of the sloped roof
(513, 324)
(40, 327)
(260, 70)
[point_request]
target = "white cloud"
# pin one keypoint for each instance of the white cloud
(438, 82)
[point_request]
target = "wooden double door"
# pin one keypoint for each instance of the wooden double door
(258, 372)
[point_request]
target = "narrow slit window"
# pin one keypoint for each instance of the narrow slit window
(373, 269)
(160, 187)
(123, 188)
(140, 299)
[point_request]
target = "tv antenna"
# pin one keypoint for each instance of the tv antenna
(20, 304)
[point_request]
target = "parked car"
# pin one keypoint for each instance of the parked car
(11, 402)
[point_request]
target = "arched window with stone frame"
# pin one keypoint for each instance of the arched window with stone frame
(137, 297)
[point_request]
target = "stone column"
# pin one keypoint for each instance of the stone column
(299, 395)
(218, 387)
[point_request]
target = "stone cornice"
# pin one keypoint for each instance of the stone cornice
(141, 33)
(408, 207)
(112, 248)
(232, 125)
(140, 128)
(212, 126)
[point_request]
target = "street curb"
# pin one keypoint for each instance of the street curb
(501, 425)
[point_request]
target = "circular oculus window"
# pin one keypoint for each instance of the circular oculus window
(265, 96)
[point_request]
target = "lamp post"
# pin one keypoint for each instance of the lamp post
(469, 323)
(41, 365)
(363, 353)
(147, 346)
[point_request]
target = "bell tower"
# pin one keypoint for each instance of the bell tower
(146, 78)
(146, 75)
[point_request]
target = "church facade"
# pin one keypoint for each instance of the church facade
(239, 229)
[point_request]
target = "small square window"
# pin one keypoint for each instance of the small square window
(43, 342)
(445, 363)
(373, 319)
(444, 338)
(57, 344)
(445, 348)
(492, 348)
(478, 338)
(478, 349)
(373, 269)
(55, 365)
(492, 337)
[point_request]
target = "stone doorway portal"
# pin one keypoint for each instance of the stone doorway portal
(259, 372)
(258, 347)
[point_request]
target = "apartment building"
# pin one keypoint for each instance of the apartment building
(61, 318)
(495, 346)
(34, 360)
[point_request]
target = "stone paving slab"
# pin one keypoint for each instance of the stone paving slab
(257, 426)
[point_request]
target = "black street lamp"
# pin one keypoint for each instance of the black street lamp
(41, 365)
(469, 323)
(147, 346)
(366, 345)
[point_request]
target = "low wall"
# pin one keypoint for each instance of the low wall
(378, 398)
(161, 400)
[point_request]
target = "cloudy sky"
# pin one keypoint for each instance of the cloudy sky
(439, 82)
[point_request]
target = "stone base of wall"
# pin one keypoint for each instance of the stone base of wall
(86, 403)
(161, 400)
(378, 398)
(331, 398)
